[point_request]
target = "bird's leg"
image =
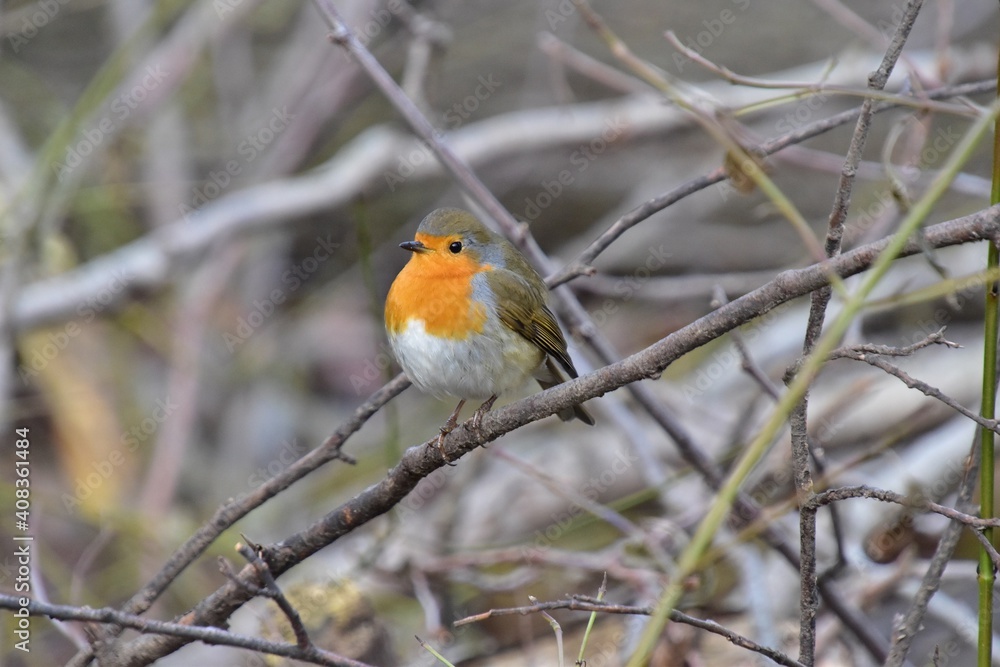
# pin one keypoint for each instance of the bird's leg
(477, 416)
(448, 427)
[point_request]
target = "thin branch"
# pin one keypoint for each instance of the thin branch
(863, 491)
(988, 546)
(250, 551)
(208, 635)
(878, 362)
(936, 338)
(590, 67)
(592, 605)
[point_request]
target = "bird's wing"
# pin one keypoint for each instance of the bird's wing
(522, 309)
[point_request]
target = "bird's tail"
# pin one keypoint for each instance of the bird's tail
(551, 379)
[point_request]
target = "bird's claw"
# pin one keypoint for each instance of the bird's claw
(439, 445)
(477, 416)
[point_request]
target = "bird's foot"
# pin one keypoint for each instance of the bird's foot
(477, 416)
(448, 427)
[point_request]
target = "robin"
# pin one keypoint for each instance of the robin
(467, 317)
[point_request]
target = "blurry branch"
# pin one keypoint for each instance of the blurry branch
(590, 67)
(609, 560)
(820, 160)
(208, 635)
(808, 88)
(672, 289)
(420, 461)
(591, 605)
(848, 18)
(596, 509)
(197, 300)
(366, 162)
(582, 264)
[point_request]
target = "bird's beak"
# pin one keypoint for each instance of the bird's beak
(413, 246)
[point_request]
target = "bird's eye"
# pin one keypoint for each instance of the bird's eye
(456, 247)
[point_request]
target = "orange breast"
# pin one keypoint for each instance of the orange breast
(437, 290)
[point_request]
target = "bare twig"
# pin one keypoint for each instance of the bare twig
(208, 635)
(936, 338)
(250, 551)
(843, 493)
(874, 359)
(592, 605)
(988, 546)
(591, 67)
(806, 88)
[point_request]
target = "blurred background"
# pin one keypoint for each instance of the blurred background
(202, 207)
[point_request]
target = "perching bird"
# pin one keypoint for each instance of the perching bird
(467, 317)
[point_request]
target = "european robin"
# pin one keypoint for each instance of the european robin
(467, 317)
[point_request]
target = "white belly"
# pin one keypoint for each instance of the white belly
(492, 363)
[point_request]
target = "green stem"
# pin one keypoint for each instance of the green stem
(988, 410)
